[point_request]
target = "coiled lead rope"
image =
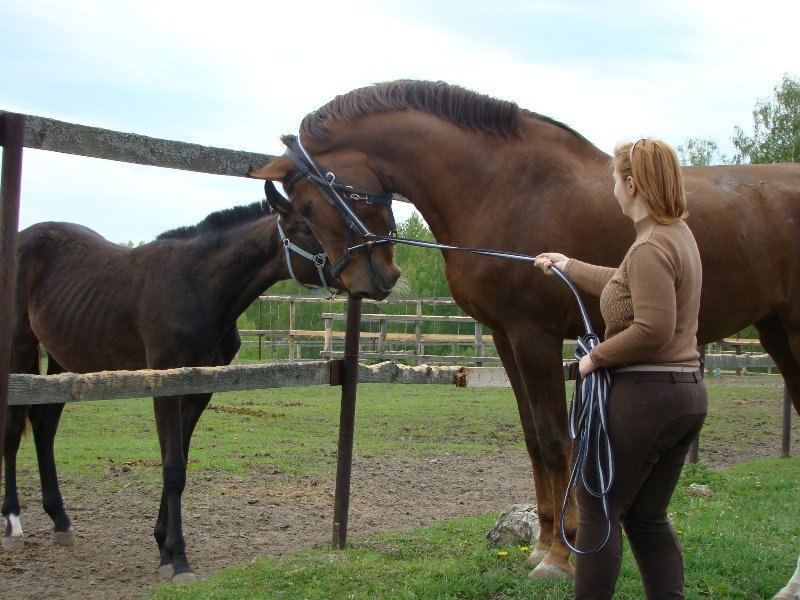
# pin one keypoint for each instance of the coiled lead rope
(588, 427)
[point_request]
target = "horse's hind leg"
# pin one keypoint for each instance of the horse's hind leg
(24, 359)
(782, 342)
(792, 589)
(44, 421)
(13, 536)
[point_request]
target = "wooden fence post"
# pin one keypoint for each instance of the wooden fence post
(12, 135)
(291, 329)
(418, 332)
(347, 413)
(478, 342)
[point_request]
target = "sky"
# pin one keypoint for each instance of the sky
(238, 74)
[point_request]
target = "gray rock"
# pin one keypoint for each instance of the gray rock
(518, 524)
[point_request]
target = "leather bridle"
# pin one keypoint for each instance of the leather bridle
(343, 198)
(319, 261)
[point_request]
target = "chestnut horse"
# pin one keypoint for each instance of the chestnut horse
(485, 173)
(174, 302)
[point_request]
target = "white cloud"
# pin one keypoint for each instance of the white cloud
(240, 74)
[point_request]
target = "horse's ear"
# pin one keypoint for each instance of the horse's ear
(276, 200)
(274, 170)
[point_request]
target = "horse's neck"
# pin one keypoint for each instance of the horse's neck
(461, 178)
(240, 265)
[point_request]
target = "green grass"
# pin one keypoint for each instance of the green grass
(741, 542)
(295, 430)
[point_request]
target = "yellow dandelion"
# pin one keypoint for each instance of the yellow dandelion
(524, 548)
(501, 553)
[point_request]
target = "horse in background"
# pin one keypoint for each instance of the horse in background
(485, 173)
(174, 302)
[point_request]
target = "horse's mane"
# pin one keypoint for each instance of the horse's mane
(453, 103)
(222, 219)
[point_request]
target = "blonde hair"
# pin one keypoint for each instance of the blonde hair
(655, 170)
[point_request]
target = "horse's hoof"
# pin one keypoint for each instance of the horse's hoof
(166, 570)
(536, 557)
(65, 538)
(185, 577)
(547, 570)
(790, 592)
(13, 542)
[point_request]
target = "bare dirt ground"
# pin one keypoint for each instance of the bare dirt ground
(115, 555)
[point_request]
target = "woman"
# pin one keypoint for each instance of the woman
(658, 399)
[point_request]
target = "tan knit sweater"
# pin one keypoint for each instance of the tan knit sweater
(651, 301)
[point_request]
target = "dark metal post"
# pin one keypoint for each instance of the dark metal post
(12, 134)
(786, 442)
(347, 414)
(694, 449)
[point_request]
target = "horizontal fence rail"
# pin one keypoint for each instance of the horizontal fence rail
(116, 385)
(42, 133)
(378, 345)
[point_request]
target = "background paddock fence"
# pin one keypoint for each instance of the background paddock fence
(381, 340)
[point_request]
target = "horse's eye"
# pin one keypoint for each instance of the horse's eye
(306, 210)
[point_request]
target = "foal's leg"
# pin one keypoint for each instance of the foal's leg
(24, 359)
(192, 407)
(170, 437)
(13, 536)
(44, 420)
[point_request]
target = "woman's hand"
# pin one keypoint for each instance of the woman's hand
(551, 259)
(586, 365)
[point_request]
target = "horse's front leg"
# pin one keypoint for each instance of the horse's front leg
(535, 371)
(792, 589)
(192, 408)
(169, 528)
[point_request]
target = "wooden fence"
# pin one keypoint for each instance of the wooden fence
(27, 131)
(380, 342)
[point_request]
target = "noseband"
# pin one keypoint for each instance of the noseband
(318, 259)
(342, 198)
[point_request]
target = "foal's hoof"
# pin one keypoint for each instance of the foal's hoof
(547, 570)
(166, 570)
(13, 542)
(186, 577)
(65, 538)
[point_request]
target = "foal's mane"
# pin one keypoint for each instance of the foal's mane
(220, 220)
(453, 103)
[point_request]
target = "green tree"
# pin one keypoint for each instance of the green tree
(423, 268)
(700, 153)
(776, 128)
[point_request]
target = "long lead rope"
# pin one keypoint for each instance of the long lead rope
(588, 412)
(588, 427)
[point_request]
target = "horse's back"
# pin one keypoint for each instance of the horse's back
(745, 219)
(76, 292)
